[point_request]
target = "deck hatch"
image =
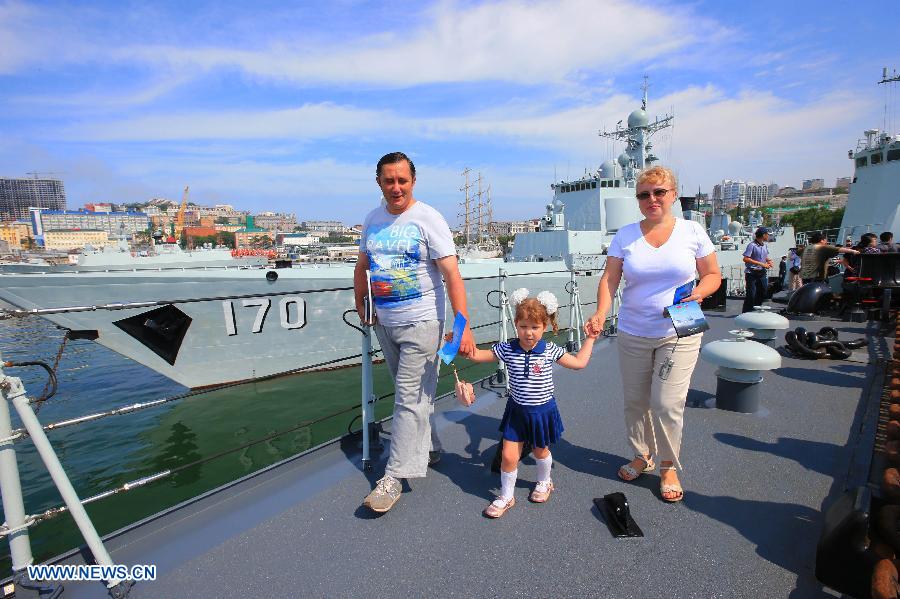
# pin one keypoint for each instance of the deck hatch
(162, 330)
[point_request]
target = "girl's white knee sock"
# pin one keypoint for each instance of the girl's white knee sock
(543, 467)
(508, 483)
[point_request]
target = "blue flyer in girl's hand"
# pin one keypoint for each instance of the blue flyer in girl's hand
(451, 348)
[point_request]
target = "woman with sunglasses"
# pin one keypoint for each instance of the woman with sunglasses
(659, 258)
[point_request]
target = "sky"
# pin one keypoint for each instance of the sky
(287, 106)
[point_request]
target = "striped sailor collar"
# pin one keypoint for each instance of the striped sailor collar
(539, 347)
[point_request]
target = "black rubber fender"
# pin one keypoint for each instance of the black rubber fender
(856, 343)
(801, 350)
(828, 333)
(835, 349)
(800, 332)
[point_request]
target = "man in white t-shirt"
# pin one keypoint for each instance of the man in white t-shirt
(409, 252)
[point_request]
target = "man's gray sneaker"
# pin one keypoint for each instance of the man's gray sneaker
(384, 495)
(434, 457)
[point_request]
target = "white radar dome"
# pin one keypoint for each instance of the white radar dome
(608, 170)
(623, 159)
(638, 118)
(735, 226)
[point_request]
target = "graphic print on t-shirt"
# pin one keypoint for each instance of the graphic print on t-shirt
(394, 255)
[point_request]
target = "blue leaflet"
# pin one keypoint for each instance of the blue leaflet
(451, 348)
(683, 291)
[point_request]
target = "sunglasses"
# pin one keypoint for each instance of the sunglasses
(658, 193)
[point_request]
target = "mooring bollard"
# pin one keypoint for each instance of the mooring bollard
(740, 367)
(763, 323)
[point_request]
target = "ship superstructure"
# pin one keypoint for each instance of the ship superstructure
(586, 213)
(873, 204)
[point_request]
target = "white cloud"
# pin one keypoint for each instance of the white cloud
(519, 41)
(307, 122)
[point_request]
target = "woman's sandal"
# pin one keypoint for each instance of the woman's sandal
(628, 473)
(670, 488)
(498, 507)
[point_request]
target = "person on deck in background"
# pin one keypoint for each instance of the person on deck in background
(794, 269)
(408, 249)
(757, 263)
(814, 265)
(887, 245)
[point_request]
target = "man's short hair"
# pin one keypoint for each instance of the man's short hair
(886, 236)
(393, 158)
(816, 237)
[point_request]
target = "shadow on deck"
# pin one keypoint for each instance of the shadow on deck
(756, 485)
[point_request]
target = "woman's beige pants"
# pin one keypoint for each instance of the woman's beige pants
(654, 408)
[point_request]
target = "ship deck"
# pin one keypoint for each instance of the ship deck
(756, 486)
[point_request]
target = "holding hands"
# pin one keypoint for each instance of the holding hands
(593, 328)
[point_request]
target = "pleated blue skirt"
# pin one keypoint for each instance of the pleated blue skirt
(539, 425)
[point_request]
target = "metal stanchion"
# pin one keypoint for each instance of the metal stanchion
(367, 395)
(15, 392)
(10, 484)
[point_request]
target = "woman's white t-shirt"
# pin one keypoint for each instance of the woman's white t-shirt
(653, 274)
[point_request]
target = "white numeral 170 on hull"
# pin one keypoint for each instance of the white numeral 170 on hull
(262, 306)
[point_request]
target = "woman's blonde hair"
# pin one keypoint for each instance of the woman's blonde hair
(658, 174)
(531, 309)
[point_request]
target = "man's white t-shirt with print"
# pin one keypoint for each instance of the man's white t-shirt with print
(653, 274)
(406, 283)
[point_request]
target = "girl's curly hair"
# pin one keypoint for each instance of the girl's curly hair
(531, 309)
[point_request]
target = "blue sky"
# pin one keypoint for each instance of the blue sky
(287, 106)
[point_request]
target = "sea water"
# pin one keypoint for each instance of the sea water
(243, 428)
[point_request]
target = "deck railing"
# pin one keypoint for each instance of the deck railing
(12, 389)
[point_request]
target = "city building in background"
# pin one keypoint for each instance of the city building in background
(253, 237)
(16, 234)
(843, 182)
(512, 227)
(274, 221)
(74, 239)
(324, 226)
(113, 223)
(742, 194)
(810, 184)
(18, 195)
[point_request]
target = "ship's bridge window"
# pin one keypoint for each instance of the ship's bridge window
(862, 161)
(602, 183)
(893, 155)
(876, 158)
(593, 185)
(617, 182)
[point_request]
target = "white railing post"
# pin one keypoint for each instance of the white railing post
(11, 485)
(366, 395)
(505, 318)
(16, 393)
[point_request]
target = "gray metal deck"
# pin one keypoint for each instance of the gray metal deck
(755, 489)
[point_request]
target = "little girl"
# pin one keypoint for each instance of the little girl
(531, 414)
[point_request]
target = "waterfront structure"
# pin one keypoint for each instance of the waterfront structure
(18, 195)
(299, 239)
(113, 223)
(68, 239)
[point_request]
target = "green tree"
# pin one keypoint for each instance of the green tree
(814, 219)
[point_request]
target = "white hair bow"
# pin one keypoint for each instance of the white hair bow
(546, 299)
